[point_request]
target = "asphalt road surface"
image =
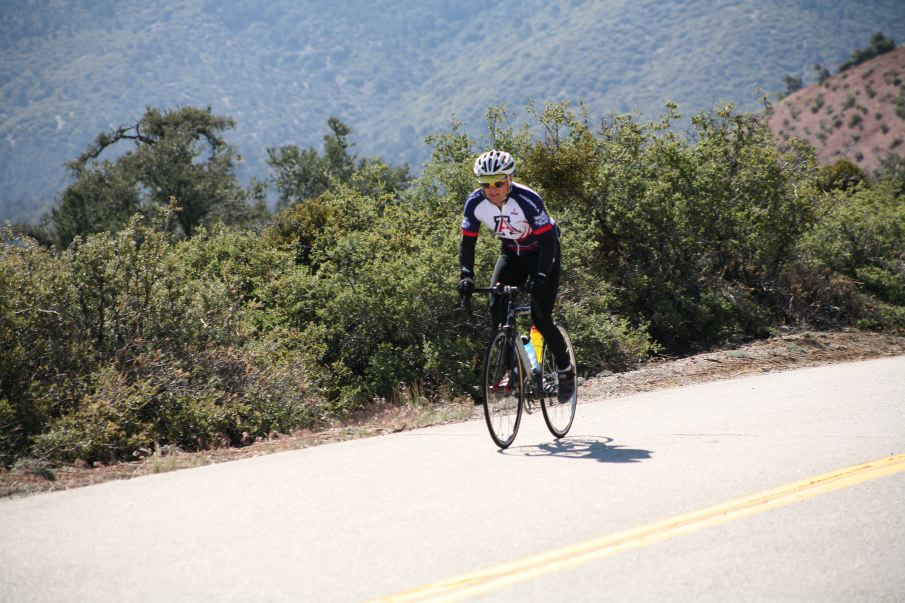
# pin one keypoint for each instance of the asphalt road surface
(787, 486)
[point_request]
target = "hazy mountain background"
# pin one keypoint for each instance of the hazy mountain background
(395, 71)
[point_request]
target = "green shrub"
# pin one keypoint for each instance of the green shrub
(841, 174)
(692, 234)
(223, 397)
(861, 237)
(884, 282)
(43, 348)
(131, 341)
(863, 228)
(11, 436)
(106, 425)
(881, 316)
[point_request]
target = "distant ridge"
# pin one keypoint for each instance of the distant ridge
(858, 114)
(394, 71)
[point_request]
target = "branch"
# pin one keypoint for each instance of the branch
(105, 140)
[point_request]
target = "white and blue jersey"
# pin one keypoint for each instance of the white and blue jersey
(518, 224)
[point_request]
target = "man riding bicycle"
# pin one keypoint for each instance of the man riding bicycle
(530, 253)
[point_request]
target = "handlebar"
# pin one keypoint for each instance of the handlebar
(500, 290)
(465, 300)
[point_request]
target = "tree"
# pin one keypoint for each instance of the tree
(793, 85)
(101, 199)
(305, 174)
(336, 149)
(892, 170)
(179, 155)
(879, 44)
(823, 74)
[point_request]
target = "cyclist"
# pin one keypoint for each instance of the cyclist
(530, 253)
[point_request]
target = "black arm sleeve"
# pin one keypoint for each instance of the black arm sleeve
(548, 246)
(466, 256)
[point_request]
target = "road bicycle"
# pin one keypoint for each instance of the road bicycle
(513, 383)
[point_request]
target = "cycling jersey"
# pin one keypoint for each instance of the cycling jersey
(518, 224)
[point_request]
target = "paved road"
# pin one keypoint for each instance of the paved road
(365, 519)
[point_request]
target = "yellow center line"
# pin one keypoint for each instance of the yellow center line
(529, 568)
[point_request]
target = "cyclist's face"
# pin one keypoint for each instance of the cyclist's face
(496, 191)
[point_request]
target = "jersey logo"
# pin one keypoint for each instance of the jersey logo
(504, 228)
(503, 225)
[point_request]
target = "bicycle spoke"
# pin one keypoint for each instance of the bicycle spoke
(558, 414)
(502, 391)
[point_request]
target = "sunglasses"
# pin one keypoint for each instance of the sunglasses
(498, 184)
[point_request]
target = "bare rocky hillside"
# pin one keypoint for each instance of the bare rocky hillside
(858, 114)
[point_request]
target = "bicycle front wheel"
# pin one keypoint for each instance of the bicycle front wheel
(504, 395)
(558, 414)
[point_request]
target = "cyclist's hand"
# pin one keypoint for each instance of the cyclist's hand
(537, 286)
(465, 286)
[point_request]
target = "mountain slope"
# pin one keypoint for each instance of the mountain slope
(393, 70)
(858, 114)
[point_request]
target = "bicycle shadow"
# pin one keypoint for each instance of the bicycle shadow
(589, 448)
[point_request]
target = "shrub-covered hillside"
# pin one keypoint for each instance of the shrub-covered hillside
(153, 329)
(394, 69)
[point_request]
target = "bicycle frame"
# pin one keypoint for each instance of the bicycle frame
(510, 292)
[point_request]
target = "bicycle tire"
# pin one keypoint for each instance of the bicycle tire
(557, 415)
(504, 394)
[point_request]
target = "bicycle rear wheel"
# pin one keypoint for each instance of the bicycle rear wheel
(557, 415)
(504, 395)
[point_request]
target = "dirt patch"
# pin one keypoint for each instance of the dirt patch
(787, 352)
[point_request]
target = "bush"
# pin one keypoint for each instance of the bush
(42, 344)
(820, 298)
(861, 238)
(224, 397)
(11, 436)
(374, 306)
(106, 425)
(692, 235)
(840, 175)
(132, 340)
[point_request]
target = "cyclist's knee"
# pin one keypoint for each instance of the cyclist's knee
(542, 318)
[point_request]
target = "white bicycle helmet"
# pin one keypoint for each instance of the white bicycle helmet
(493, 163)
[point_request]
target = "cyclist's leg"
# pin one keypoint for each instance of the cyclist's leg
(542, 315)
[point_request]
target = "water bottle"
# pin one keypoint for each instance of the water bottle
(537, 340)
(529, 349)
